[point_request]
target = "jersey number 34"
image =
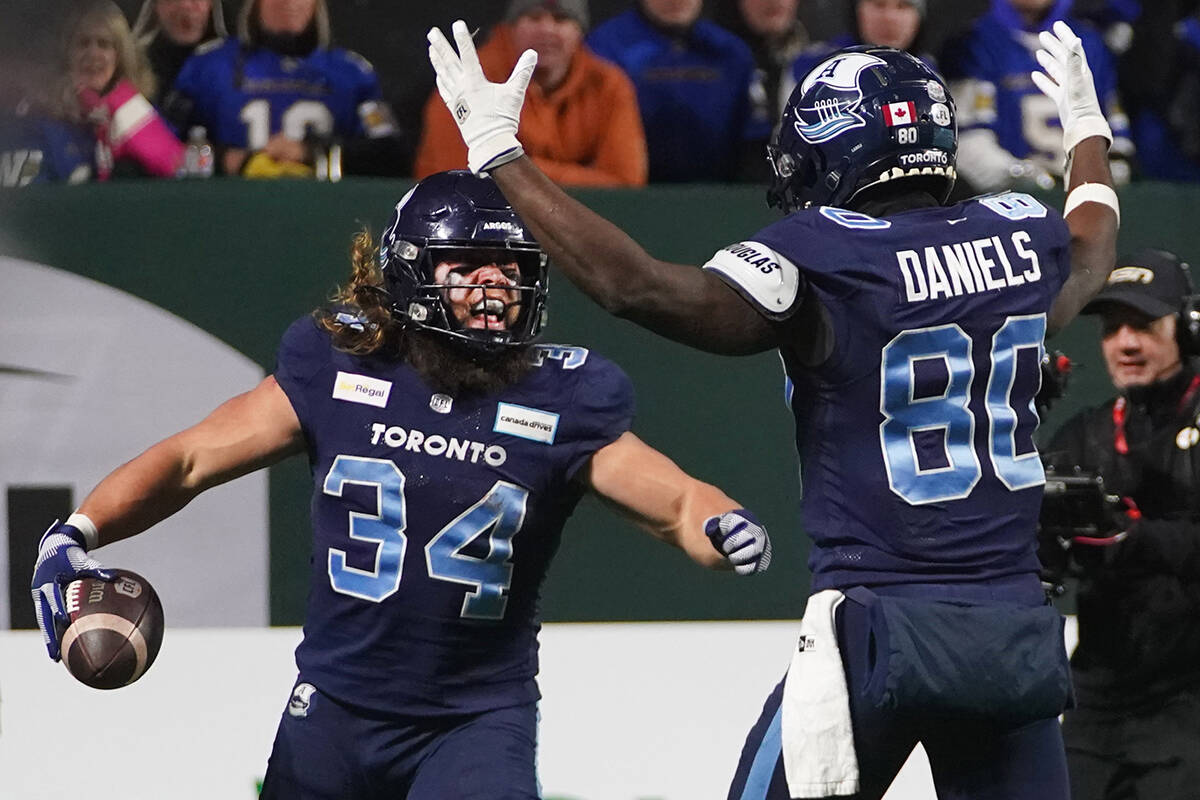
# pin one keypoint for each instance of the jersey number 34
(499, 514)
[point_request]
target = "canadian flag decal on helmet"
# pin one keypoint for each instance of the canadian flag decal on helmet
(900, 113)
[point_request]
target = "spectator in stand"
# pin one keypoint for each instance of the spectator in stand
(695, 85)
(580, 121)
(279, 100)
(1159, 81)
(169, 31)
(776, 37)
(889, 23)
(97, 122)
(1009, 131)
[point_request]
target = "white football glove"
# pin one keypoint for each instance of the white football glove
(487, 113)
(1067, 81)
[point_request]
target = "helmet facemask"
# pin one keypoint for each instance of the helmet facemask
(461, 220)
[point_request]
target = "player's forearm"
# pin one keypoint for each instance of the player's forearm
(679, 302)
(597, 256)
(142, 492)
(685, 505)
(1093, 226)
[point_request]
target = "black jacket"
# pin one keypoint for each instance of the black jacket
(1139, 606)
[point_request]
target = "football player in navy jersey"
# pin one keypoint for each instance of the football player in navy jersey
(911, 334)
(447, 451)
(277, 98)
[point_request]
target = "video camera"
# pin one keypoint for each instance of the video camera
(1076, 510)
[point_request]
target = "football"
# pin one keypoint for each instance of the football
(115, 629)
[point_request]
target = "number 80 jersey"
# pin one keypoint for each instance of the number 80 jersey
(915, 435)
(435, 519)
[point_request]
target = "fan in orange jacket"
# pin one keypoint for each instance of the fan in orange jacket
(580, 122)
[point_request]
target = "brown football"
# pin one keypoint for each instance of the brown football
(115, 629)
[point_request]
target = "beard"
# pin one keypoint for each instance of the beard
(452, 368)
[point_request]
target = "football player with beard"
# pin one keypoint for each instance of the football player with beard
(911, 334)
(447, 451)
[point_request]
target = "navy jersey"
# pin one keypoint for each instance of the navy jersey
(243, 96)
(916, 434)
(435, 519)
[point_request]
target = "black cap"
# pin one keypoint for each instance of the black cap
(1154, 282)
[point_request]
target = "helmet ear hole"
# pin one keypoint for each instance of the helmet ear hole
(785, 165)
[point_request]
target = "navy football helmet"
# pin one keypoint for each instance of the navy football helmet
(864, 116)
(452, 215)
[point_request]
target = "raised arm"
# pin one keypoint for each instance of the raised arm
(678, 301)
(646, 487)
(1091, 209)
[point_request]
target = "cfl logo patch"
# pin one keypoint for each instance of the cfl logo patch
(461, 112)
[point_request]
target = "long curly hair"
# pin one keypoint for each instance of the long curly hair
(359, 315)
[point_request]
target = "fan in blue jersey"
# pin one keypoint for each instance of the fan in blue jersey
(447, 451)
(1011, 134)
(911, 334)
(279, 100)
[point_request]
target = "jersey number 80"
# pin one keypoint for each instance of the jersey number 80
(947, 419)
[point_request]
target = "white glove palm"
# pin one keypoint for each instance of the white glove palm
(487, 113)
(1067, 81)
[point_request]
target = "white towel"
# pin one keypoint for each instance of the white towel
(818, 738)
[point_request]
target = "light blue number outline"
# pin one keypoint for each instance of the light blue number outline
(910, 488)
(504, 513)
(1015, 472)
(389, 517)
(1014, 206)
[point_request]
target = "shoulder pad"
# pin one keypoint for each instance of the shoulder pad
(764, 277)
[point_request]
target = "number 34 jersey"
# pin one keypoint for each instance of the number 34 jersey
(915, 435)
(435, 519)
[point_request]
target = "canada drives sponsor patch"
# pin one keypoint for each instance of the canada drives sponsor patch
(526, 423)
(361, 389)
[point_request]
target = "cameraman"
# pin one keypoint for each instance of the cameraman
(1136, 729)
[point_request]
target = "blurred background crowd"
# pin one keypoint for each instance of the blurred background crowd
(626, 91)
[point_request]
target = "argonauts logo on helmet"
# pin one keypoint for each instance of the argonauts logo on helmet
(834, 110)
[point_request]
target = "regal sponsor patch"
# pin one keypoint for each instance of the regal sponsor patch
(361, 389)
(526, 423)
